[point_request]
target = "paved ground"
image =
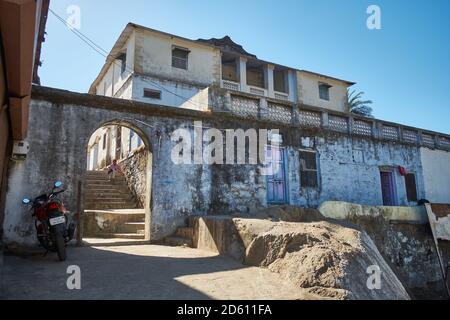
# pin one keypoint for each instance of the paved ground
(141, 272)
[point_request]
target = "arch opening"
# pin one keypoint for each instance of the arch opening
(117, 185)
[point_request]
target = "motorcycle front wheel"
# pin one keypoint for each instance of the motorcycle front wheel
(60, 246)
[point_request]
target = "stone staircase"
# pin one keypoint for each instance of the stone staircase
(113, 199)
(102, 194)
(183, 237)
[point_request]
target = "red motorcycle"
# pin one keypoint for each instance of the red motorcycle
(52, 221)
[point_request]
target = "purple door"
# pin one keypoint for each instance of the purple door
(387, 188)
(276, 182)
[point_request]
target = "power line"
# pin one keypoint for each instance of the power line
(106, 55)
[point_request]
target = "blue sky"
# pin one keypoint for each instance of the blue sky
(404, 67)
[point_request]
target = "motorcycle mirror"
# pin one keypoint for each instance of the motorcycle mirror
(26, 201)
(57, 184)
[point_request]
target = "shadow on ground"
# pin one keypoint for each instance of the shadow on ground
(137, 272)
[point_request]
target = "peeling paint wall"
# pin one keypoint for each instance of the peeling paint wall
(436, 171)
(135, 171)
(308, 88)
(154, 57)
(348, 166)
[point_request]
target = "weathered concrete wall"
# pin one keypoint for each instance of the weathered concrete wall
(63, 123)
(173, 93)
(436, 171)
(135, 171)
(404, 238)
(349, 170)
(308, 88)
(154, 57)
(345, 210)
(115, 81)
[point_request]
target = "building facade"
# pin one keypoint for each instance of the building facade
(22, 30)
(151, 66)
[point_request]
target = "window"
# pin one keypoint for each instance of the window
(324, 91)
(104, 141)
(411, 189)
(152, 94)
(123, 62)
(180, 58)
(308, 169)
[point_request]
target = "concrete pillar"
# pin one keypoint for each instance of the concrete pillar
(268, 79)
(324, 120)
(375, 130)
(263, 108)
(243, 73)
(292, 85)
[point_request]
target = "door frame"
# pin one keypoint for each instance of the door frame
(286, 183)
(391, 172)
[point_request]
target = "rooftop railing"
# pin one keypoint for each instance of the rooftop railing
(305, 116)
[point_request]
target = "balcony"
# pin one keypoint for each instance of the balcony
(231, 85)
(256, 77)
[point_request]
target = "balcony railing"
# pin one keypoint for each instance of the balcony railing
(281, 96)
(258, 91)
(262, 92)
(231, 85)
(319, 118)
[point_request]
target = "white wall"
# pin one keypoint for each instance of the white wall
(436, 172)
(308, 91)
(114, 79)
(173, 94)
(154, 57)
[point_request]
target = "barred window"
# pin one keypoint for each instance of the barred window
(123, 62)
(180, 58)
(308, 169)
(411, 188)
(152, 94)
(324, 91)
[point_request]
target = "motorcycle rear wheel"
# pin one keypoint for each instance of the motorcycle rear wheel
(60, 247)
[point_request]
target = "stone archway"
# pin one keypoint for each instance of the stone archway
(106, 203)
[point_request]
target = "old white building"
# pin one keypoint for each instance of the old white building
(155, 67)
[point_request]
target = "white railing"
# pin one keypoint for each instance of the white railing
(281, 96)
(231, 85)
(309, 116)
(258, 91)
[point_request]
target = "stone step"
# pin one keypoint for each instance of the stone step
(104, 178)
(121, 235)
(133, 227)
(176, 241)
(105, 194)
(185, 232)
(110, 200)
(109, 197)
(106, 183)
(102, 206)
(106, 187)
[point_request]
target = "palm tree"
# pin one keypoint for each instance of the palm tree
(358, 106)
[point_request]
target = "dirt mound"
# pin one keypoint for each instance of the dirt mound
(326, 257)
